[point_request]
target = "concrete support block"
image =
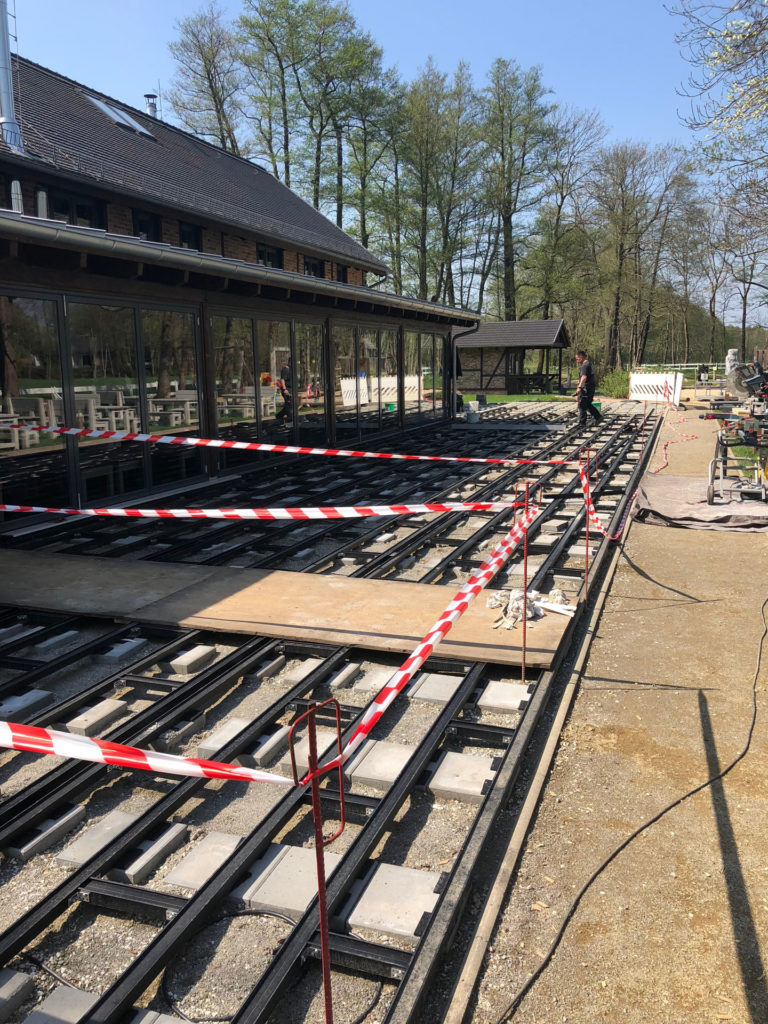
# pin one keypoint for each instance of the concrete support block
(268, 669)
(15, 988)
(172, 739)
(378, 763)
(301, 671)
(503, 697)
(55, 640)
(120, 650)
(203, 861)
(211, 745)
(284, 880)
(326, 740)
(96, 838)
(46, 833)
(96, 719)
(345, 676)
(24, 703)
(268, 747)
(392, 900)
(434, 687)
(373, 680)
(461, 777)
(188, 662)
(65, 1005)
(152, 855)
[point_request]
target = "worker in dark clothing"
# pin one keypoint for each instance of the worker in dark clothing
(285, 386)
(585, 389)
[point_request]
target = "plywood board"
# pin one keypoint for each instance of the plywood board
(383, 615)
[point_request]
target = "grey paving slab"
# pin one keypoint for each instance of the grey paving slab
(172, 739)
(270, 668)
(434, 687)
(345, 676)
(96, 838)
(97, 718)
(17, 631)
(15, 988)
(152, 855)
(326, 739)
(284, 880)
(55, 640)
(121, 649)
(24, 703)
(65, 1005)
(461, 777)
(392, 900)
(502, 697)
(299, 672)
(204, 860)
(378, 763)
(47, 832)
(267, 748)
(191, 661)
(220, 736)
(373, 680)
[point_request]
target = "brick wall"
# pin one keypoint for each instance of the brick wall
(291, 261)
(119, 219)
(170, 231)
(354, 276)
(238, 248)
(212, 241)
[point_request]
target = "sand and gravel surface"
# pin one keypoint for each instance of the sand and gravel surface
(675, 929)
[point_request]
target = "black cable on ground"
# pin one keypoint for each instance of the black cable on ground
(173, 1004)
(514, 1004)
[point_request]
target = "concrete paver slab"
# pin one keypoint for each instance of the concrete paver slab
(378, 763)
(392, 900)
(461, 777)
(284, 880)
(203, 861)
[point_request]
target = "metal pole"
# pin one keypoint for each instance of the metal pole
(525, 589)
(322, 901)
(586, 533)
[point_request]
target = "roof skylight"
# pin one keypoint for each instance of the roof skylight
(119, 116)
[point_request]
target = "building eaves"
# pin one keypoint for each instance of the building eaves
(522, 334)
(33, 230)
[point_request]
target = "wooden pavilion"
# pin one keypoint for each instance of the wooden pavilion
(491, 360)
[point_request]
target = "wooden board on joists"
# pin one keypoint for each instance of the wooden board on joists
(384, 615)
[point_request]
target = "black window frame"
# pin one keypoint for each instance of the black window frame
(341, 273)
(269, 256)
(153, 221)
(312, 265)
(70, 201)
(195, 233)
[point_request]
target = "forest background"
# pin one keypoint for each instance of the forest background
(496, 196)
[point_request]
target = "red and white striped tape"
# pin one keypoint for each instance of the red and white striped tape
(433, 637)
(290, 449)
(673, 425)
(594, 518)
(303, 513)
(85, 748)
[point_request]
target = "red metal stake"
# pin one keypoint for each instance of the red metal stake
(525, 590)
(322, 901)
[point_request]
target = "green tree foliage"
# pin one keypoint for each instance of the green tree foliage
(491, 195)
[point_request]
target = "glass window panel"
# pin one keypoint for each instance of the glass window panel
(412, 374)
(345, 382)
(428, 375)
(438, 388)
(368, 380)
(236, 416)
(388, 379)
(102, 348)
(33, 468)
(173, 401)
(310, 382)
(277, 381)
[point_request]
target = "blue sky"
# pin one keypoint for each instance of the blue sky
(616, 56)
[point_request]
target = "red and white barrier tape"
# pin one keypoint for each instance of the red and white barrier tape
(673, 424)
(303, 513)
(594, 518)
(85, 748)
(433, 637)
(290, 449)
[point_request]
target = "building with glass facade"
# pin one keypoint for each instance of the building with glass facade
(151, 282)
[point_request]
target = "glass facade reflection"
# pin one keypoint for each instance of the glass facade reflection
(310, 383)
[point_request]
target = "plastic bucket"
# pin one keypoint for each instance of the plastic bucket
(390, 406)
(598, 406)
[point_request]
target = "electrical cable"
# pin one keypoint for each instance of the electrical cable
(513, 1005)
(48, 970)
(173, 1004)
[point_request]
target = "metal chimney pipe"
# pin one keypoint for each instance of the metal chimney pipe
(9, 126)
(150, 97)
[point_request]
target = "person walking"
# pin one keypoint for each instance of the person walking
(585, 389)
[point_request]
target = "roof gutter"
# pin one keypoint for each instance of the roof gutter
(9, 126)
(454, 339)
(67, 236)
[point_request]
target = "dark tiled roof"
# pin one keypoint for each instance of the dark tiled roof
(517, 334)
(63, 127)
